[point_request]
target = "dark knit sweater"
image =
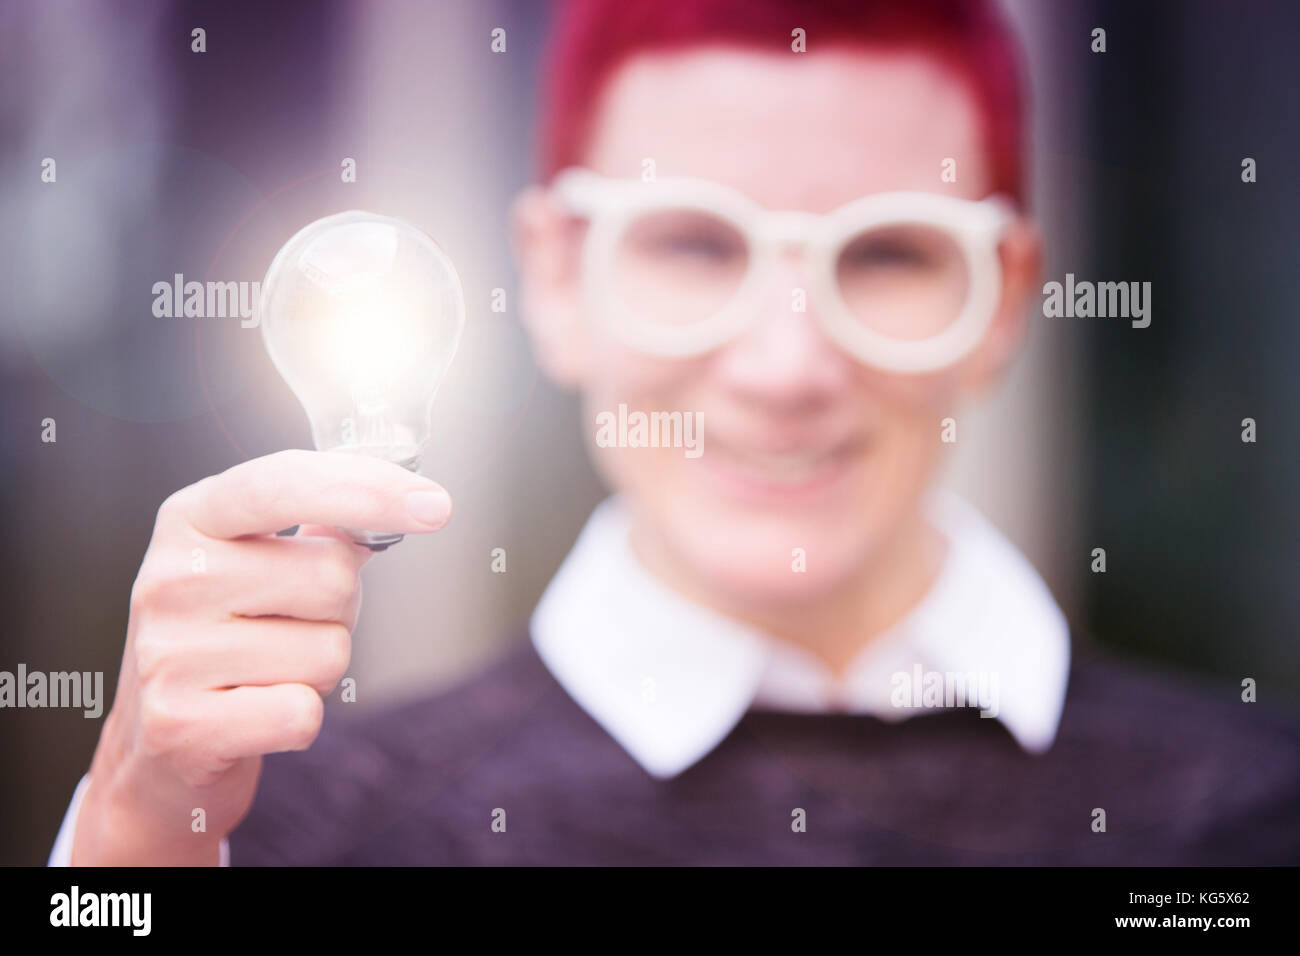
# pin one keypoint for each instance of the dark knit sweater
(1182, 777)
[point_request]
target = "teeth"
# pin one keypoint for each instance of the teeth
(788, 467)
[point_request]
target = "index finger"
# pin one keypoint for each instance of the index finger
(266, 494)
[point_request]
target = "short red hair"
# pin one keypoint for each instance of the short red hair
(593, 37)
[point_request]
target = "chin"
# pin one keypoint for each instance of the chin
(753, 533)
(755, 560)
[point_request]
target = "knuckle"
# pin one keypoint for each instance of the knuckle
(370, 501)
(197, 775)
(172, 506)
(152, 588)
(162, 724)
(262, 486)
(147, 591)
(338, 584)
(261, 492)
(362, 500)
(173, 513)
(164, 581)
(305, 711)
(346, 553)
(336, 654)
(294, 457)
(154, 657)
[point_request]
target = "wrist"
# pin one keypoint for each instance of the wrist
(112, 829)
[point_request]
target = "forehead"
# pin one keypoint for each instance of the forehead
(799, 131)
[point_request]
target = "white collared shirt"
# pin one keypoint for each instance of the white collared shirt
(668, 679)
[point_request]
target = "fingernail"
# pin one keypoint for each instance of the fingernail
(431, 507)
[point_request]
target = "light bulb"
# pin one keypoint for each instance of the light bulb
(361, 315)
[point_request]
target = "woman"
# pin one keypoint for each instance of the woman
(793, 242)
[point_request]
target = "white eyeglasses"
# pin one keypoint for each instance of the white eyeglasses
(903, 281)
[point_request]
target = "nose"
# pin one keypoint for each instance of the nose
(783, 359)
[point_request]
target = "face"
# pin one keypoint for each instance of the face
(806, 451)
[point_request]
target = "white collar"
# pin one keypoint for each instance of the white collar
(668, 679)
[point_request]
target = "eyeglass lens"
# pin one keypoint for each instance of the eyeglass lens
(683, 266)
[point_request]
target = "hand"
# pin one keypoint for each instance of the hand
(234, 636)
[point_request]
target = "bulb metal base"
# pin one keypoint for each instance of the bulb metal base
(374, 540)
(381, 540)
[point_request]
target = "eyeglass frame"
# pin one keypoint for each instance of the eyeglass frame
(610, 205)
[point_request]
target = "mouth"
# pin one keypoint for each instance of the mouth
(800, 472)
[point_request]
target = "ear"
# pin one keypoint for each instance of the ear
(547, 243)
(1021, 255)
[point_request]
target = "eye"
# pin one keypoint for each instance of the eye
(685, 237)
(905, 281)
(677, 266)
(889, 249)
(695, 246)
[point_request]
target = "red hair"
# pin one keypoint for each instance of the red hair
(593, 37)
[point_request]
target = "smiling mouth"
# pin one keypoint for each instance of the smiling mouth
(765, 473)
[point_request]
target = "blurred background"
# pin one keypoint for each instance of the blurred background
(168, 161)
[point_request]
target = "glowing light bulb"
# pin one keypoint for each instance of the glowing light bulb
(362, 315)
